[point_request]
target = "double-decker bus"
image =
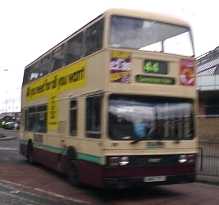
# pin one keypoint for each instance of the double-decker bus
(113, 105)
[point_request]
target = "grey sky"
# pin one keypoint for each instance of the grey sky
(31, 27)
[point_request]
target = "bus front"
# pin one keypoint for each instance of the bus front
(151, 102)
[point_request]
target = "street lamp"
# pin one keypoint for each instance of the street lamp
(4, 70)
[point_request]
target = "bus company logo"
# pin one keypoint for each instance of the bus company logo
(67, 78)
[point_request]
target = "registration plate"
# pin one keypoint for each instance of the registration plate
(155, 179)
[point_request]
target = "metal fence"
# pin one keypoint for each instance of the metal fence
(208, 82)
(208, 160)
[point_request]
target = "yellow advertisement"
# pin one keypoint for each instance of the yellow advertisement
(120, 54)
(67, 78)
(116, 76)
(52, 117)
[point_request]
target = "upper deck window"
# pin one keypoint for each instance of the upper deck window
(150, 35)
(94, 38)
(87, 41)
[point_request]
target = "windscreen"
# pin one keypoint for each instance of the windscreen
(150, 118)
(150, 35)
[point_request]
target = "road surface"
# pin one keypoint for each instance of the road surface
(24, 184)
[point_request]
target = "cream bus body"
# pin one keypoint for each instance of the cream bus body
(92, 156)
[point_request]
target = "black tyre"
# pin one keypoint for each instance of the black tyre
(73, 175)
(29, 154)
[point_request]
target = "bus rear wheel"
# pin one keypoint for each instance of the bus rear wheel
(73, 175)
(29, 155)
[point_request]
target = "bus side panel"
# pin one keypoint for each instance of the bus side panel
(48, 159)
(44, 157)
(91, 173)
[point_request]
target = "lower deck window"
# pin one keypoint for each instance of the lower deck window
(73, 118)
(93, 116)
(36, 119)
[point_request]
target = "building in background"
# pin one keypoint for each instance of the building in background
(208, 88)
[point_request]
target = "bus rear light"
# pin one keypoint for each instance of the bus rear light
(187, 72)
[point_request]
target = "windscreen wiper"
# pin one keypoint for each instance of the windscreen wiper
(137, 140)
(148, 136)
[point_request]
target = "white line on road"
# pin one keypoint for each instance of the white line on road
(8, 149)
(79, 201)
(18, 197)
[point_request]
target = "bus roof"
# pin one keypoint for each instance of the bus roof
(147, 15)
(121, 12)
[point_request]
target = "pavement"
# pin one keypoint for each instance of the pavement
(16, 173)
(8, 134)
(3, 138)
(208, 179)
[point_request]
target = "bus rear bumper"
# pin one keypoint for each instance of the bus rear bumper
(128, 176)
(140, 181)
